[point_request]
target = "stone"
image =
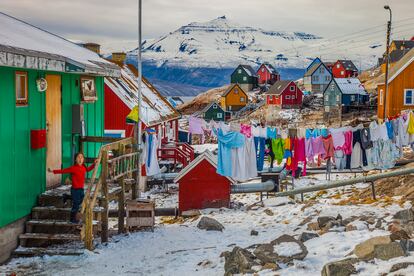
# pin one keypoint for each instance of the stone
(313, 226)
(379, 222)
(399, 266)
(388, 251)
(210, 224)
(340, 268)
(305, 236)
(271, 266)
(265, 253)
(191, 213)
(323, 221)
(238, 261)
(349, 220)
(409, 228)
(405, 215)
(254, 233)
(288, 239)
(365, 250)
(399, 235)
(408, 245)
(394, 226)
(268, 212)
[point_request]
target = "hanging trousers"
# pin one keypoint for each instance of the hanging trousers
(260, 145)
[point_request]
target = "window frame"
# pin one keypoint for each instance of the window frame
(412, 96)
(219, 115)
(21, 101)
(287, 97)
(292, 88)
(244, 78)
(242, 99)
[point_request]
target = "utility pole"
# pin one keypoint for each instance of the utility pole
(139, 124)
(387, 57)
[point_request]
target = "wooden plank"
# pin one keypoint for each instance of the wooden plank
(105, 193)
(121, 200)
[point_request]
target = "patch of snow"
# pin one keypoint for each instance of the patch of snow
(287, 249)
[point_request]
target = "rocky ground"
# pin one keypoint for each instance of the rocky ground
(328, 233)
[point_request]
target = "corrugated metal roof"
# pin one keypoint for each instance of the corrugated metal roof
(348, 65)
(270, 68)
(249, 70)
(278, 87)
(230, 88)
(314, 68)
(155, 108)
(350, 86)
(400, 65)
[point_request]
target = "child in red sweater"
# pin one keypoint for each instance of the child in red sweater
(78, 172)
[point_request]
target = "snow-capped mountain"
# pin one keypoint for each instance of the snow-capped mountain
(204, 54)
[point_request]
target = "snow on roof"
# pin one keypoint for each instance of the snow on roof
(249, 70)
(350, 86)
(206, 155)
(348, 65)
(155, 108)
(19, 37)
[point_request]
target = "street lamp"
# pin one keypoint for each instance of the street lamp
(387, 59)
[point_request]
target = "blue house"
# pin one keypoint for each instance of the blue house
(345, 92)
(317, 77)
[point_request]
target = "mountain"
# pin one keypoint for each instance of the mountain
(199, 56)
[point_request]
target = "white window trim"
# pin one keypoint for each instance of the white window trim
(292, 88)
(381, 97)
(412, 96)
(219, 115)
(115, 131)
(245, 78)
(287, 97)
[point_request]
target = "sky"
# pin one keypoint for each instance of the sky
(107, 21)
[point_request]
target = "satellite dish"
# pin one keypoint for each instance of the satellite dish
(41, 84)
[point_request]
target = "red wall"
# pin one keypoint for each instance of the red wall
(266, 76)
(336, 72)
(273, 99)
(203, 188)
(278, 100)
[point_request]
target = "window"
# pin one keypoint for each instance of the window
(327, 78)
(316, 78)
(409, 97)
(263, 70)
(322, 70)
(352, 98)
(337, 98)
(236, 91)
(242, 99)
(292, 88)
(327, 97)
(214, 106)
(338, 66)
(287, 97)
(219, 115)
(293, 97)
(342, 73)
(239, 71)
(21, 88)
(381, 97)
(245, 78)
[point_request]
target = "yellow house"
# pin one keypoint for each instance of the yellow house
(234, 98)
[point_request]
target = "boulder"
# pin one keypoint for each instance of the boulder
(408, 245)
(305, 236)
(323, 221)
(399, 235)
(254, 233)
(238, 261)
(388, 251)
(405, 215)
(210, 224)
(365, 250)
(271, 266)
(340, 268)
(287, 242)
(313, 226)
(191, 213)
(399, 266)
(409, 228)
(265, 253)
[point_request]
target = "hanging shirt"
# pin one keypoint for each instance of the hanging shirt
(243, 161)
(246, 130)
(271, 133)
(410, 128)
(347, 148)
(328, 145)
(338, 139)
(299, 155)
(278, 147)
(195, 125)
(390, 129)
(150, 155)
(227, 142)
(317, 146)
(366, 142)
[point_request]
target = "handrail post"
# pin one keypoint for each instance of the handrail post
(121, 199)
(105, 193)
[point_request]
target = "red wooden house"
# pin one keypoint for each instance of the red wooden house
(200, 186)
(285, 94)
(344, 69)
(267, 74)
(121, 97)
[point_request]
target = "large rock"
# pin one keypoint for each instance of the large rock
(305, 236)
(408, 245)
(265, 253)
(238, 261)
(388, 251)
(365, 250)
(399, 266)
(323, 221)
(340, 268)
(409, 228)
(399, 235)
(405, 215)
(287, 241)
(210, 224)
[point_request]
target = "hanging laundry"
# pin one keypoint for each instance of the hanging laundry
(270, 152)
(299, 155)
(149, 154)
(246, 130)
(390, 129)
(227, 142)
(260, 147)
(288, 153)
(196, 126)
(243, 161)
(271, 133)
(278, 146)
(328, 146)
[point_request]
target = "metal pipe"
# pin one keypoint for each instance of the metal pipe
(267, 186)
(139, 80)
(162, 176)
(341, 183)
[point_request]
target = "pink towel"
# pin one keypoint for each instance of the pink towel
(347, 148)
(246, 130)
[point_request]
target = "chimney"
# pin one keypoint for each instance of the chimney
(119, 57)
(94, 47)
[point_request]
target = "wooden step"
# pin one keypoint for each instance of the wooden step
(54, 200)
(56, 227)
(40, 251)
(56, 213)
(45, 240)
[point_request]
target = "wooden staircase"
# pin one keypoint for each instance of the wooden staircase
(49, 226)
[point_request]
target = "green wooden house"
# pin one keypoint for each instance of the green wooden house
(245, 77)
(51, 92)
(213, 111)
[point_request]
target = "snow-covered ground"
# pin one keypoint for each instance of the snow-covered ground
(178, 247)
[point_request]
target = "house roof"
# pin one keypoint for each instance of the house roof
(408, 44)
(400, 65)
(314, 61)
(248, 69)
(209, 157)
(314, 68)
(350, 86)
(395, 56)
(270, 68)
(348, 64)
(278, 87)
(26, 46)
(205, 109)
(155, 108)
(230, 88)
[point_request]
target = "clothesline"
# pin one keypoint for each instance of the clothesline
(376, 146)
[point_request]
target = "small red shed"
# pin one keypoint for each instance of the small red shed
(344, 69)
(267, 74)
(200, 186)
(284, 93)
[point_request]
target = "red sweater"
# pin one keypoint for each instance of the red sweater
(78, 173)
